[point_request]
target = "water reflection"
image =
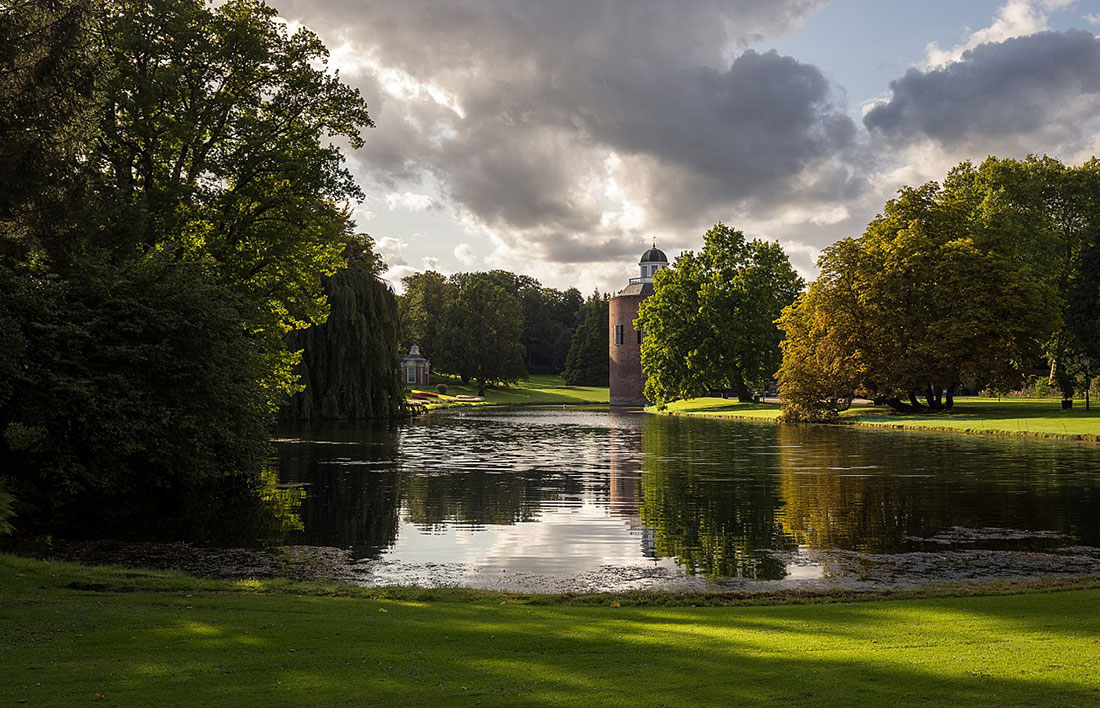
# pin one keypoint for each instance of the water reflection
(573, 492)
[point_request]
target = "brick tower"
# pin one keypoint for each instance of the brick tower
(627, 380)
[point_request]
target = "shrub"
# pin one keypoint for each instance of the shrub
(441, 388)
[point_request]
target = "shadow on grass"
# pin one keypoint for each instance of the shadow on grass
(203, 648)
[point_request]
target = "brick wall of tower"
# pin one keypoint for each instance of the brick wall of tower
(626, 378)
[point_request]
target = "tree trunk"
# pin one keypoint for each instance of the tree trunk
(914, 402)
(481, 387)
(950, 402)
(935, 398)
(744, 395)
(897, 404)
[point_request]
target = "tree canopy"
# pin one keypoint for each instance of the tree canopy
(937, 292)
(710, 322)
(173, 203)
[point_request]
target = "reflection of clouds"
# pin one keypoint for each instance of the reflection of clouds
(561, 542)
(571, 532)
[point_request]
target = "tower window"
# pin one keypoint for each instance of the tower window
(618, 335)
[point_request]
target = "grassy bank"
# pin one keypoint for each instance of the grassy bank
(1025, 417)
(536, 390)
(142, 638)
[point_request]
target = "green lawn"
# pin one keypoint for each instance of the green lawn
(536, 390)
(134, 638)
(721, 408)
(1008, 416)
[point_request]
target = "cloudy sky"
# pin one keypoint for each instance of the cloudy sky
(558, 138)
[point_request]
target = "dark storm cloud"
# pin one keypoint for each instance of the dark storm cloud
(547, 91)
(1045, 82)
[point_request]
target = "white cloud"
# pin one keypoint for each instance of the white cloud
(410, 201)
(1016, 18)
(465, 255)
(391, 250)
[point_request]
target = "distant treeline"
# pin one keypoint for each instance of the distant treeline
(498, 327)
(173, 222)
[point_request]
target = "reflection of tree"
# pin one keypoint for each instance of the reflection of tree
(709, 525)
(472, 497)
(828, 502)
(353, 486)
(478, 497)
(245, 510)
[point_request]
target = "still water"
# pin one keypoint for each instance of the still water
(591, 500)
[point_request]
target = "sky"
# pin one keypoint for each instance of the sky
(560, 138)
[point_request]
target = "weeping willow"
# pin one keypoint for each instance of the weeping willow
(350, 366)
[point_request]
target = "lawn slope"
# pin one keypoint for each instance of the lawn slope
(70, 635)
(536, 390)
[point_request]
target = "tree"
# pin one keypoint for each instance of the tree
(128, 377)
(179, 201)
(216, 146)
(350, 367)
(710, 322)
(50, 67)
(1048, 214)
(926, 300)
(485, 323)
(587, 363)
(424, 308)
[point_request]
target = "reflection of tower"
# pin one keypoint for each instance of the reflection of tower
(627, 381)
(625, 483)
(626, 469)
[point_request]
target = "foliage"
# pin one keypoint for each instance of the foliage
(7, 509)
(171, 198)
(901, 312)
(711, 320)
(441, 388)
(424, 309)
(485, 323)
(216, 145)
(49, 69)
(126, 376)
(587, 363)
(350, 367)
(432, 314)
(1048, 214)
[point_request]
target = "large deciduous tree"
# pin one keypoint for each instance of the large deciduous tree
(710, 322)
(172, 200)
(485, 323)
(931, 297)
(217, 145)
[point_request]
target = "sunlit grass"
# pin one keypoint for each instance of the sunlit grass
(174, 640)
(1008, 416)
(536, 390)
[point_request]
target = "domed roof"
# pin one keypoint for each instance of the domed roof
(654, 255)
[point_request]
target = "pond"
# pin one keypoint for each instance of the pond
(586, 500)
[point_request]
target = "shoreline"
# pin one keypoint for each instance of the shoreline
(769, 413)
(112, 578)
